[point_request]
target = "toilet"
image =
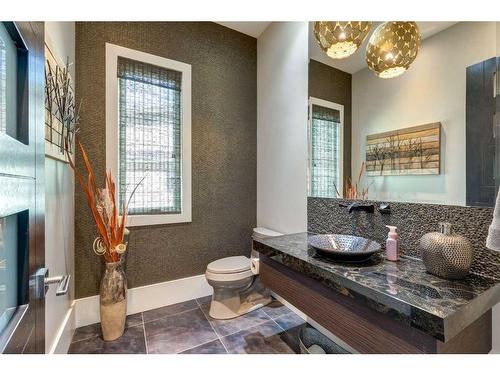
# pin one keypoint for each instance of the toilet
(237, 289)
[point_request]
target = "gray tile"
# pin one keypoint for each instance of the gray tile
(177, 333)
(292, 324)
(267, 338)
(204, 300)
(230, 326)
(165, 311)
(133, 320)
(290, 321)
(275, 309)
(212, 347)
(86, 332)
(92, 330)
(132, 342)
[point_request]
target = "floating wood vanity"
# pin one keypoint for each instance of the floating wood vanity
(381, 307)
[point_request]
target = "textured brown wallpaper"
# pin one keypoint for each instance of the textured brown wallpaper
(224, 129)
(328, 83)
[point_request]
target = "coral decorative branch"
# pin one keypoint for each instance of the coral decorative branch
(103, 206)
(355, 190)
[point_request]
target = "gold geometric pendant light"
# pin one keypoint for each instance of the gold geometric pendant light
(341, 39)
(392, 48)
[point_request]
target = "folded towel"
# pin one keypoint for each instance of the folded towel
(493, 239)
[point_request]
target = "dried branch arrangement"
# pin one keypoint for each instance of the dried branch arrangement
(60, 104)
(103, 205)
(355, 190)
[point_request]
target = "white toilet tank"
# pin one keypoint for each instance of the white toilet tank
(260, 233)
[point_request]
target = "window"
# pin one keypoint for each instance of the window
(13, 268)
(148, 134)
(13, 81)
(325, 148)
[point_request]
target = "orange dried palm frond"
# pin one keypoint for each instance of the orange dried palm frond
(88, 167)
(110, 185)
(103, 206)
(89, 193)
(356, 190)
(361, 171)
(121, 229)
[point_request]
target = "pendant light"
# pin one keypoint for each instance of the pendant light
(340, 39)
(392, 48)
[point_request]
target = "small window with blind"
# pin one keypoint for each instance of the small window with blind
(325, 148)
(148, 134)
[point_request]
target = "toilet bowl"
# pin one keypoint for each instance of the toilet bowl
(237, 290)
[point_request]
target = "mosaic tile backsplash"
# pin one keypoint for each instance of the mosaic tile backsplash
(413, 220)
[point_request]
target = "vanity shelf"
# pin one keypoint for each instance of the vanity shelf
(382, 307)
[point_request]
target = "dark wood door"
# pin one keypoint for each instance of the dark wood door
(481, 167)
(22, 255)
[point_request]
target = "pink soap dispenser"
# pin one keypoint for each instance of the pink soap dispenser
(392, 244)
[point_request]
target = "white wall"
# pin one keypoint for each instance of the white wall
(59, 215)
(282, 84)
(432, 90)
(60, 36)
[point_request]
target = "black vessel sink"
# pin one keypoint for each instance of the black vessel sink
(343, 247)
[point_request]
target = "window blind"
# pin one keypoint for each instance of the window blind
(149, 137)
(325, 152)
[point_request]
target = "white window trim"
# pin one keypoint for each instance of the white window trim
(334, 106)
(112, 133)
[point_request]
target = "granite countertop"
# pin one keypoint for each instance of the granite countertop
(403, 289)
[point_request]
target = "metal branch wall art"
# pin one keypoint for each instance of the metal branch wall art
(410, 151)
(62, 113)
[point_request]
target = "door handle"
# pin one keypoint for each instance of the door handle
(43, 282)
(62, 283)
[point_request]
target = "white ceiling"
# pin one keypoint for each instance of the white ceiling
(250, 28)
(351, 64)
(356, 62)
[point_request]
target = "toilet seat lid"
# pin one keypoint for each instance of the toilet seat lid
(229, 265)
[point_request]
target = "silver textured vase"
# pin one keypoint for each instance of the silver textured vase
(113, 301)
(445, 254)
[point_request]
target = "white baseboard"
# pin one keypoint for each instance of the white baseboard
(61, 342)
(146, 298)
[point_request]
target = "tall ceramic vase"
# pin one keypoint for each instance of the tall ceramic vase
(113, 301)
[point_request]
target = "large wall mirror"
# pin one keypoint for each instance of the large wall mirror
(408, 115)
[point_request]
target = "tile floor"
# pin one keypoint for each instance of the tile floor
(187, 328)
